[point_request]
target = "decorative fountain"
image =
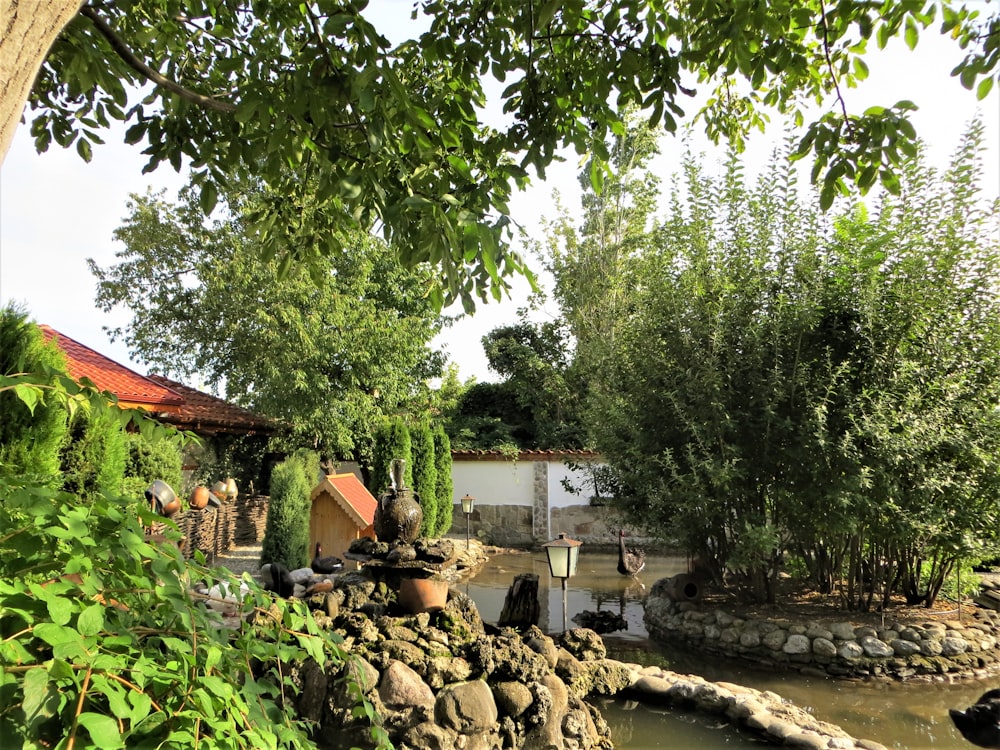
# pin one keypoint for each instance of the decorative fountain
(418, 569)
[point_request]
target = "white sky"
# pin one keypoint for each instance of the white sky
(56, 210)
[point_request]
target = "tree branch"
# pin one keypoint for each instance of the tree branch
(119, 46)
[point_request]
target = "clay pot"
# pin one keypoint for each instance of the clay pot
(231, 490)
(218, 494)
(418, 595)
(199, 497)
(163, 498)
(398, 517)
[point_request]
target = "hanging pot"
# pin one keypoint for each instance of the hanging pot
(231, 491)
(163, 498)
(199, 497)
(218, 494)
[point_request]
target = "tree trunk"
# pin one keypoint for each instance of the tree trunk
(521, 607)
(27, 30)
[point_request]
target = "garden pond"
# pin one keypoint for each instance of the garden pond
(906, 716)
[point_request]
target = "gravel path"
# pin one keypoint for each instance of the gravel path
(241, 559)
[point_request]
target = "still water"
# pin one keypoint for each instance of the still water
(900, 716)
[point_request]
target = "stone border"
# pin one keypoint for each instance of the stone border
(763, 713)
(932, 651)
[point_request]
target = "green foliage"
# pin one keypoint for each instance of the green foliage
(149, 460)
(392, 440)
(31, 428)
(782, 382)
(286, 532)
(346, 344)
(444, 488)
(425, 476)
(105, 645)
(356, 133)
(94, 456)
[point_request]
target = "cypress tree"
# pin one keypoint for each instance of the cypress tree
(29, 441)
(286, 535)
(93, 458)
(445, 486)
(425, 476)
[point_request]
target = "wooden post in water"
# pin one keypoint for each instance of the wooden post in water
(520, 606)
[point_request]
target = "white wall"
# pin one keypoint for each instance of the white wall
(558, 496)
(494, 482)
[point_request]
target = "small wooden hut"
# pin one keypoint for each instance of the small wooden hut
(342, 510)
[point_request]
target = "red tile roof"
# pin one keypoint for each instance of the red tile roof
(206, 414)
(351, 495)
(131, 388)
(470, 454)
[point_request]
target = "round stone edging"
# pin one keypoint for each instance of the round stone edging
(763, 713)
(932, 651)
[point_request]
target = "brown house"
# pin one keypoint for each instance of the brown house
(342, 510)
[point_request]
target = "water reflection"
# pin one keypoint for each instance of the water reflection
(900, 716)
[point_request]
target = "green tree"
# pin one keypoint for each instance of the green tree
(397, 136)
(392, 441)
(95, 454)
(781, 385)
(32, 432)
(343, 347)
(425, 476)
(286, 531)
(149, 460)
(445, 487)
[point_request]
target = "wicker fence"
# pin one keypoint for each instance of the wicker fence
(217, 530)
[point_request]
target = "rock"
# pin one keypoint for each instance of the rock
(606, 677)
(824, 647)
(584, 644)
(512, 698)
(843, 631)
(797, 644)
(904, 648)
(466, 707)
(549, 733)
(429, 735)
(401, 687)
(874, 647)
(953, 645)
(542, 644)
(775, 639)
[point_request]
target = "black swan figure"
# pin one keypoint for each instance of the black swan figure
(329, 564)
(630, 561)
(279, 581)
(980, 722)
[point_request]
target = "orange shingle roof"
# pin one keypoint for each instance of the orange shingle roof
(203, 413)
(557, 454)
(131, 388)
(351, 495)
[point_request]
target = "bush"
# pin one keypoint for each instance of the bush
(425, 476)
(29, 440)
(149, 460)
(286, 533)
(95, 453)
(445, 487)
(146, 665)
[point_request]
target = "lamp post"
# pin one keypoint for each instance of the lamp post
(468, 503)
(563, 554)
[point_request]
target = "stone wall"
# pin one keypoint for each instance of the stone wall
(934, 650)
(502, 525)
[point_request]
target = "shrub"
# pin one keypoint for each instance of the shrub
(445, 487)
(425, 476)
(148, 460)
(95, 453)
(29, 438)
(286, 533)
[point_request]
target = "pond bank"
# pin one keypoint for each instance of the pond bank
(931, 651)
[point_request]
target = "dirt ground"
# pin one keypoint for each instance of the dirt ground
(797, 603)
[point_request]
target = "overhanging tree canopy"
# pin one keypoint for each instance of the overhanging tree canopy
(397, 137)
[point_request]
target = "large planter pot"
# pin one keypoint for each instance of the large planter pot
(418, 595)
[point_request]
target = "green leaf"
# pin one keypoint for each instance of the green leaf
(91, 620)
(209, 196)
(984, 88)
(103, 730)
(29, 395)
(912, 33)
(36, 694)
